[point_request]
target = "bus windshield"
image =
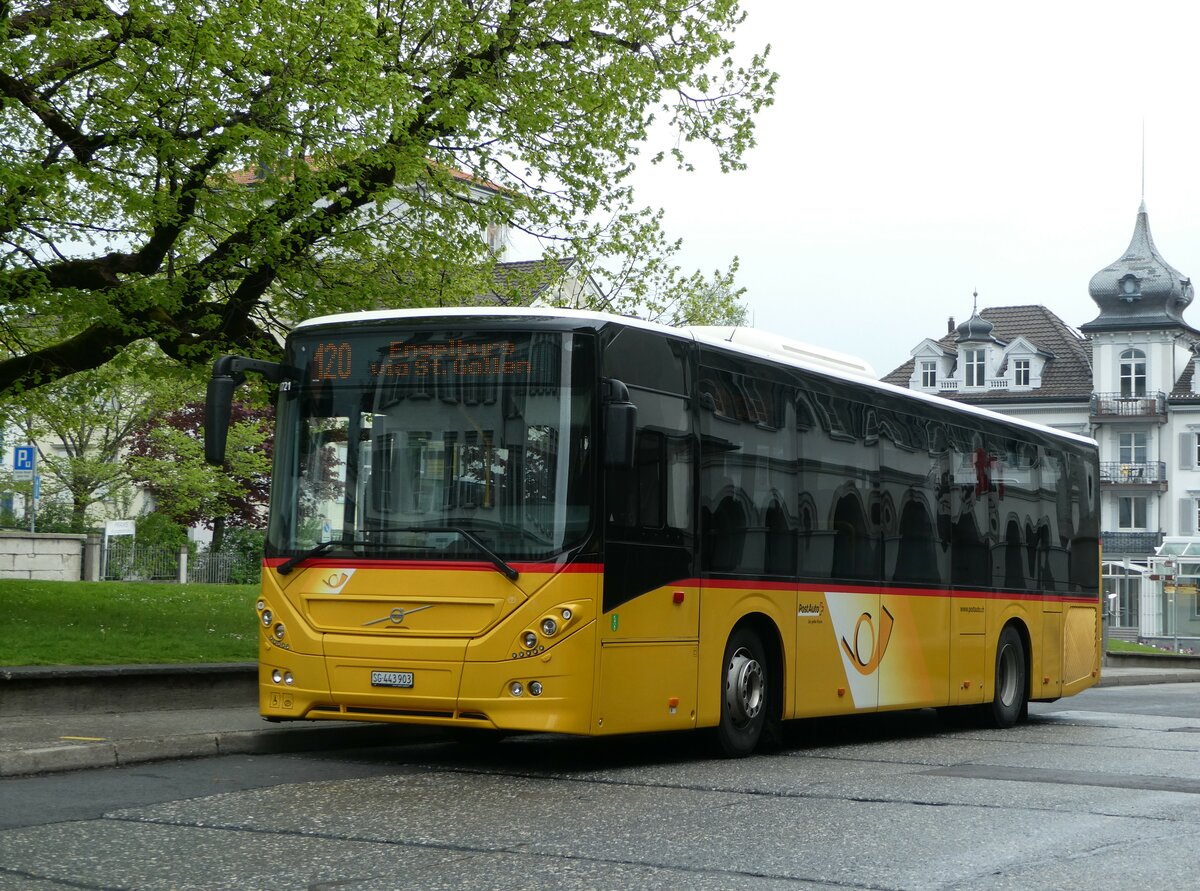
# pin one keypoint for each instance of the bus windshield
(434, 444)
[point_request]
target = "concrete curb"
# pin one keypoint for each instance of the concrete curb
(276, 740)
(37, 689)
(1158, 677)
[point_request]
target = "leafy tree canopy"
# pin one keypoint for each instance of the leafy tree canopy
(83, 423)
(166, 458)
(193, 173)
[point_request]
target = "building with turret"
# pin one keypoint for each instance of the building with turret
(1129, 379)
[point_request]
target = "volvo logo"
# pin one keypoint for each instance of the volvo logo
(398, 615)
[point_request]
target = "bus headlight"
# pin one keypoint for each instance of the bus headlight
(279, 631)
(549, 627)
(266, 618)
(529, 639)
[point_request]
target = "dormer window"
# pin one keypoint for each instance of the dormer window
(974, 365)
(1021, 372)
(929, 377)
(1130, 288)
(497, 237)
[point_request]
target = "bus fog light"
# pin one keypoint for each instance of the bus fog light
(515, 688)
(549, 627)
(288, 679)
(279, 631)
(535, 688)
(277, 676)
(267, 617)
(529, 639)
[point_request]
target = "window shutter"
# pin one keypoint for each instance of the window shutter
(1187, 451)
(1187, 516)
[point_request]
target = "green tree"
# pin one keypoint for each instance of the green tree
(166, 457)
(194, 173)
(82, 426)
(699, 301)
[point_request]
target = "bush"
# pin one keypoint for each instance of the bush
(159, 530)
(247, 545)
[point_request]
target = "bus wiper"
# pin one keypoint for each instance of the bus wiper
(497, 561)
(288, 565)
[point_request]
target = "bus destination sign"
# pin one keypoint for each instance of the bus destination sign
(451, 359)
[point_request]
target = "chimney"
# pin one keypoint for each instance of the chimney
(950, 325)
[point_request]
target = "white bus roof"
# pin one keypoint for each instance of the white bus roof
(748, 341)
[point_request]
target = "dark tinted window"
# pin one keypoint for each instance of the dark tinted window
(748, 484)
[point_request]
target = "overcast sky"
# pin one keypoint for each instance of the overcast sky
(919, 151)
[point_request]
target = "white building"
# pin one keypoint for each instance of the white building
(1128, 378)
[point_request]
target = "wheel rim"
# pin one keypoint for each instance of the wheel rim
(745, 687)
(1007, 675)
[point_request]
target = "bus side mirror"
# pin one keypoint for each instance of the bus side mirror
(227, 374)
(620, 425)
(217, 407)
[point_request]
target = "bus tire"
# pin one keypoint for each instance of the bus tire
(1010, 698)
(745, 698)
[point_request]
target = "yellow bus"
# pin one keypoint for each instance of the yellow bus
(544, 520)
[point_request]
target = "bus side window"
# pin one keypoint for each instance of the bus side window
(748, 470)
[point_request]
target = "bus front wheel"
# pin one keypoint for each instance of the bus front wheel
(744, 689)
(1011, 691)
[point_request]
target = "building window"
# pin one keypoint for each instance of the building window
(1196, 453)
(1021, 372)
(1131, 513)
(1133, 448)
(928, 375)
(1133, 373)
(973, 368)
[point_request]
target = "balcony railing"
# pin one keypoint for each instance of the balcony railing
(1116, 406)
(1130, 544)
(992, 383)
(1117, 473)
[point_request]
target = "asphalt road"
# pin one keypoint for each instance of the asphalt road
(1098, 790)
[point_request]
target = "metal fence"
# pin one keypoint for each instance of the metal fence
(224, 569)
(126, 560)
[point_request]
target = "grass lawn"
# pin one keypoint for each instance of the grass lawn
(1125, 646)
(111, 623)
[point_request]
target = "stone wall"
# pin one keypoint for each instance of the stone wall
(41, 555)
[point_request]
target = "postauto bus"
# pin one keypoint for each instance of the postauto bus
(546, 520)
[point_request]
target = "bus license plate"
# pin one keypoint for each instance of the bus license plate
(391, 679)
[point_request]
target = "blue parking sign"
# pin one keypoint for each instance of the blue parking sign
(24, 458)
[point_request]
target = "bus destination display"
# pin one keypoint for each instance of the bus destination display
(448, 359)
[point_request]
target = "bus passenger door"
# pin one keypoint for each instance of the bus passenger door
(649, 628)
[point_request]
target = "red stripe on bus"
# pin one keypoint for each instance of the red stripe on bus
(444, 565)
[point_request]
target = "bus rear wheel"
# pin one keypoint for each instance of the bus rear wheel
(744, 694)
(1010, 698)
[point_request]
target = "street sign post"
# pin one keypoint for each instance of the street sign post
(25, 468)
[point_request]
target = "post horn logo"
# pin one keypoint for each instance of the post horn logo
(866, 659)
